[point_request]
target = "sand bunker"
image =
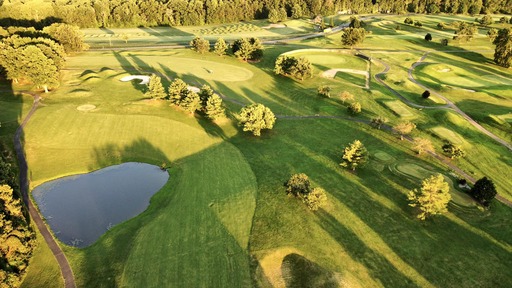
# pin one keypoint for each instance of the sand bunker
(193, 89)
(144, 79)
(274, 26)
(86, 107)
(445, 70)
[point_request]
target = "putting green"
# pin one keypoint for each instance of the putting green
(383, 156)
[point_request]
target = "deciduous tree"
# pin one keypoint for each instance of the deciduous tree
(39, 69)
(378, 121)
(453, 151)
(69, 36)
(465, 32)
(346, 96)
(200, 45)
(353, 36)
(354, 155)
(298, 184)
(324, 91)
(316, 199)
(421, 145)
(432, 198)
(247, 49)
(256, 117)
(354, 108)
(404, 128)
(483, 191)
(298, 68)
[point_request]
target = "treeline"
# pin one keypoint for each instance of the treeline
(134, 13)
(16, 236)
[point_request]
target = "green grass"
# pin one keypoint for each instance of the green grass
(224, 219)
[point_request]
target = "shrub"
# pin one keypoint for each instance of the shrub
(408, 21)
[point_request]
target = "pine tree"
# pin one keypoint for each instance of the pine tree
(503, 50)
(220, 47)
(190, 102)
(432, 198)
(204, 94)
(200, 45)
(177, 91)
(213, 108)
(354, 155)
(155, 88)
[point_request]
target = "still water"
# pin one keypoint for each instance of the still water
(81, 208)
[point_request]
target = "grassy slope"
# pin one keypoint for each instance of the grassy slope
(366, 236)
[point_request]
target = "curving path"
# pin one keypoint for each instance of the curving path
(451, 105)
(65, 268)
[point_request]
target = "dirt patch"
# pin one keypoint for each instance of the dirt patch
(86, 107)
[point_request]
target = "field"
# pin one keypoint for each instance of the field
(224, 219)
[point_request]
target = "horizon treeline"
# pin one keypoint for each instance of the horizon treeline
(147, 13)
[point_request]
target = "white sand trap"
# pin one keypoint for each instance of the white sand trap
(86, 107)
(144, 79)
(193, 89)
(331, 73)
(445, 70)
(274, 26)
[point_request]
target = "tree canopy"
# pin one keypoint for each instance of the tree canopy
(155, 88)
(220, 47)
(69, 36)
(503, 50)
(353, 36)
(200, 45)
(404, 128)
(483, 191)
(247, 49)
(354, 155)
(432, 198)
(298, 68)
(256, 117)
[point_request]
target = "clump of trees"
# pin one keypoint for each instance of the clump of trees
(16, 237)
(354, 155)
(421, 145)
(299, 186)
(492, 34)
(353, 36)
(484, 191)
(324, 91)
(68, 36)
(277, 15)
(404, 128)
(378, 121)
(408, 21)
(503, 51)
(465, 32)
(485, 20)
(211, 103)
(200, 45)
(453, 151)
(298, 68)
(432, 198)
(354, 108)
(256, 117)
(248, 49)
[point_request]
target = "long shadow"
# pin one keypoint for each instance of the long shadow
(298, 271)
(130, 68)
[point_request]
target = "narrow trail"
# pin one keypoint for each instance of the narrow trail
(65, 268)
(452, 105)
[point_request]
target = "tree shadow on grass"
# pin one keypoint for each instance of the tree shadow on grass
(298, 272)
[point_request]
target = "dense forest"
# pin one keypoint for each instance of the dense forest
(133, 13)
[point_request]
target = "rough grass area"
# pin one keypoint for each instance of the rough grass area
(399, 108)
(448, 135)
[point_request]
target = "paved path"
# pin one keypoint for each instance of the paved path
(65, 268)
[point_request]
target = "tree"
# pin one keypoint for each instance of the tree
(432, 198)
(465, 32)
(273, 16)
(256, 117)
(503, 50)
(346, 96)
(296, 11)
(214, 109)
(378, 121)
(441, 26)
(283, 16)
(354, 155)
(354, 108)
(200, 45)
(298, 185)
(220, 47)
(177, 91)
(69, 36)
(190, 102)
(418, 24)
(247, 49)
(421, 145)
(492, 34)
(298, 68)
(486, 20)
(404, 128)
(425, 94)
(353, 36)
(503, 20)
(355, 22)
(444, 42)
(483, 191)
(324, 90)
(315, 199)
(39, 69)
(408, 21)
(155, 88)
(453, 151)
(204, 94)
(428, 37)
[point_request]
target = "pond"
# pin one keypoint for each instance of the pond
(81, 208)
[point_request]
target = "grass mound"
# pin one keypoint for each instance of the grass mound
(448, 135)
(298, 271)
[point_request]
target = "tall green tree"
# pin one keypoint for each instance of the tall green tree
(39, 69)
(190, 102)
(483, 191)
(248, 49)
(69, 36)
(298, 68)
(354, 155)
(354, 108)
(177, 91)
(298, 184)
(200, 45)
(503, 50)
(465, 32)
(155, 88)
(432, 198)
(256, 117)
(214, 109)
(316, 199)
(353, 36)
(220, 47)
(453, 151)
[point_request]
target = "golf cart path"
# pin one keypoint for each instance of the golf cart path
(65, 268)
